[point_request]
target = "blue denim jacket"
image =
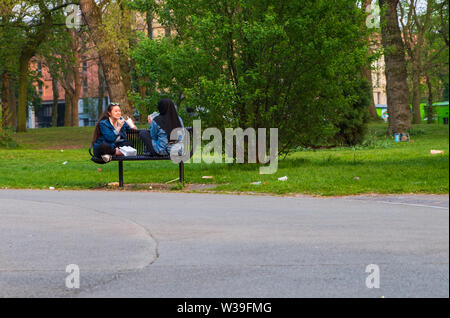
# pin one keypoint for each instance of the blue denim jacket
(109, 135)
(160, 139)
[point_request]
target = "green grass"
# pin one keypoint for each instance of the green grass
(381, 165)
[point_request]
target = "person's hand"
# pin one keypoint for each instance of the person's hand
(120, 124)
(118, 152)
(149, 119)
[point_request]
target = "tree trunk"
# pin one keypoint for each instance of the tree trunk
(75, 116)
(367, 73)
(29, 49)
(125, 71)
(430, 102)
(12, 102)
(24, 62)
(416, 94)
(101, 91)
(108, 56)
(55, 101)
(76, 79)
(124, 58)
(6, 116)
(68, 97)
(396, 75)
(71, 82)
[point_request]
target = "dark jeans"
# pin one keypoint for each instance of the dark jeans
(105, 149)
(147, 139)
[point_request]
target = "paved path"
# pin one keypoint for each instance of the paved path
(143, 244)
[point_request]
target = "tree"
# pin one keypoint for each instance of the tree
(426, 51)
(107, 53)
(435, 62)
(71, 81)
(396, 74)
(294, 65)
(61, 55)
(443, 13)
(8, 55)
(414, 28)
(35, 19)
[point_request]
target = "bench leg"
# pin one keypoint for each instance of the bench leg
(181, 172)
(121, 174)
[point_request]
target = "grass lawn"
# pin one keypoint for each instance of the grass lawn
(379, 166)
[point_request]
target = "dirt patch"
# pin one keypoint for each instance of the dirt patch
(158, 187)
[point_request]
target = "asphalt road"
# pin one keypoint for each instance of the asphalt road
(146, 244)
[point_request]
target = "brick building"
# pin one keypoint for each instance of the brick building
(87, 104)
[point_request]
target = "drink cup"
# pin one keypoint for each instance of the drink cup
(130, 123)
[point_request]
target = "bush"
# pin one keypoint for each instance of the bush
(353, 125)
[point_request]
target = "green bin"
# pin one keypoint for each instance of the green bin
(441, 111)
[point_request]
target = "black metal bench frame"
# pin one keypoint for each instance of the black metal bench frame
(138, 144)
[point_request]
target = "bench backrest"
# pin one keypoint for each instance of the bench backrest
(138, 144)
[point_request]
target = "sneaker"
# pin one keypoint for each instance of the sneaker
(106, 158)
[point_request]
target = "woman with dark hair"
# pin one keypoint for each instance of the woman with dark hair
(157, 139)
(110, 133)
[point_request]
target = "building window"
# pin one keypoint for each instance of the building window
(84, 67)
(39, 68)
(85, 86)
(48, 111)
(40, 88)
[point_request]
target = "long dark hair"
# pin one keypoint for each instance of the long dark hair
(103, 116)
(168, 117)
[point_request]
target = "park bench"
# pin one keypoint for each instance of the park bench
(138, 144)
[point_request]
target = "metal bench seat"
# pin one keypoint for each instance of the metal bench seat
(138, 144)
